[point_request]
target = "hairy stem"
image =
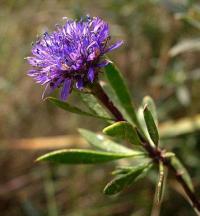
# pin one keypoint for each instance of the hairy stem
(154, 153)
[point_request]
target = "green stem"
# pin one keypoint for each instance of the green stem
(154, 153)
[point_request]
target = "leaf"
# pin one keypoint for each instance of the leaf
(161, 184)
(143, 128)
(118, 85)
(151, 126)
(160, 188)
(122, 170)
(180, 127)
(184, 46)
(168, 154)
(123, 130)
(82, 156)
(181, 170)
(101, 142)
(147, 100)
(183, 95)
(66, 106)
(95, 107)
(123, 180)
(192, 16)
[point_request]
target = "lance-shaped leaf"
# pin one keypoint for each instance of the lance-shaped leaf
(160, 189)
(143, 127)
(123, 130)
(118, 85)
(151, 126)
(82, 156)
(147, 100)
(93, 104)
(124, 180)
(66, 106)
(192, 16)
(181, 170)
(121, 170)
(180, 127)
(101, 142)
(161, 184)
(184, 46)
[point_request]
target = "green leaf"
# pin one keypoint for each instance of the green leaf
(122, 170)
(118, 85)
(161, 184)
(123, 180)
(66, 106)
(123, 130)
(93, 104)
(151, 126)
(181, 170)
(180, 127)
(192, 16)
(168, 154)
(101, 142)
(147, 100)
(82, 156)
(143, 128)
(160, 189)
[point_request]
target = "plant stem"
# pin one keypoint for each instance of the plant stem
(193, 199)
(154, 153)
(98, 92)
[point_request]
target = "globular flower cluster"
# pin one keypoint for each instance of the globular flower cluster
(71, 56)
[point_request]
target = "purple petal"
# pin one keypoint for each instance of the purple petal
(42, 79)
(32, 73)
(98, 26)
(57, 83)
(32, 60)
(91, 74)
(91, 57)
(65, 89)
(73, 56)
(79, 84)
(70, 54)
(114, 46)
(50, 88)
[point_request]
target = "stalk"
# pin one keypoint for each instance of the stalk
(100, 94)
(154, 153)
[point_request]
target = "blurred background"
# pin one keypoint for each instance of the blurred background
(160, 57)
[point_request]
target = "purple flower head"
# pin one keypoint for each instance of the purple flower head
(71, 56)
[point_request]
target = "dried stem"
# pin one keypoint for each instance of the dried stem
(154, 153)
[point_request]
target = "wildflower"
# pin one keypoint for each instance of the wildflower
(71, 56)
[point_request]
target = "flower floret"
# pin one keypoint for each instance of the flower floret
(71, 55)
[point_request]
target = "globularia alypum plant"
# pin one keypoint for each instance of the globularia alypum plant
(73, 58)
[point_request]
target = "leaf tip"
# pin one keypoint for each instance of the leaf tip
(107, 190)
(41, 158)
(38, 159)
(51, 99)
(146, 107)
(81, 130)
